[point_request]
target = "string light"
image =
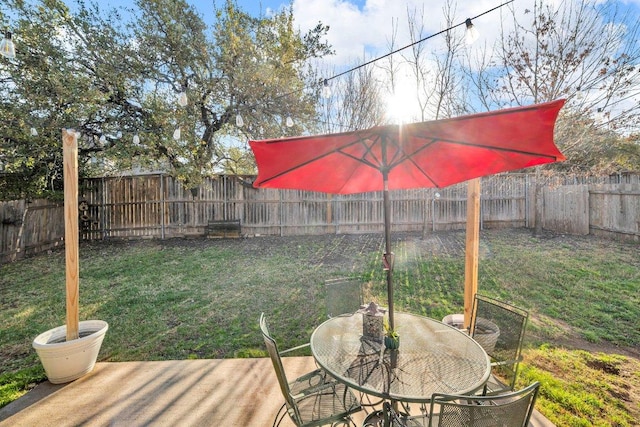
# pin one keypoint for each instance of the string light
(326, 90)
(182, 99)
(136, 139)
(471, 34)
(289, 122)
(7, 48)
(33, 131)
(239, 121)
(176, 134)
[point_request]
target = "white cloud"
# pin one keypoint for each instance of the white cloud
(355, 29)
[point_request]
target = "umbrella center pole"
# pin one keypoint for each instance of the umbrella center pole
(388, 255)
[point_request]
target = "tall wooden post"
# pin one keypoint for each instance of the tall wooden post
(472, 246)
(70, 162)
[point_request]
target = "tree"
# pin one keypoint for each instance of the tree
(117, 82)
(581, 50)
(354, 103)
(413, 84)
(436, 73)
(44, 89)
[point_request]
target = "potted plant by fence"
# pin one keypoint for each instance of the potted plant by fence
(70, 351)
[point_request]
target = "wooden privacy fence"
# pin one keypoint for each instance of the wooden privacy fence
(29, 228)
(158, 206)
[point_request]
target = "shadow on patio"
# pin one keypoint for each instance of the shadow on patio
(218, 392)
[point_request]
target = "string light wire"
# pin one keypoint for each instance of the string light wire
(324, 82)
(414, 43)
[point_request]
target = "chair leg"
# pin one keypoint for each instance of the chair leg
(280, 416)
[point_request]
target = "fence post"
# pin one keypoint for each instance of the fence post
(527, 184)
(103, 217)
(162, 206)
(539, 204)
(328, 218)
(281, 213)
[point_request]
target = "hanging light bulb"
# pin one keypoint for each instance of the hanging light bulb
(176, 134)
(34, 131)
(119, 134)
(289, 122)
(136, 139)
(471, 34)
(326, 89)
(182, 99)
(7, 48)
(239, 121)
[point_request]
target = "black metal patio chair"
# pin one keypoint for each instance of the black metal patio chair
(313, 399)
(344, 296)
(499, 328)
(512, 409)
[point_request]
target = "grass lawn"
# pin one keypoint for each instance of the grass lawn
(181, 299)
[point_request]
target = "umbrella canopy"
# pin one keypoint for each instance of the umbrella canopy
(436, 153)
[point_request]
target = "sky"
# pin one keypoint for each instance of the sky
(362, 30)
(357, 26)
(366, 26)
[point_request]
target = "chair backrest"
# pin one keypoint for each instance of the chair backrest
(512, 409)
(272, 348)
(499, 328)
(344, 295)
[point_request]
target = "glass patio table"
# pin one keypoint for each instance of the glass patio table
(432, 357)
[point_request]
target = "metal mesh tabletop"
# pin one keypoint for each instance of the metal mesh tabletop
(432, 358)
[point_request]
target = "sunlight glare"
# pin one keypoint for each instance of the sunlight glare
(399, 107)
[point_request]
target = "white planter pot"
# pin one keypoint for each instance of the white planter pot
(65, 361)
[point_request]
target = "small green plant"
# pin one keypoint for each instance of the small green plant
(389, 331)
(391, 339)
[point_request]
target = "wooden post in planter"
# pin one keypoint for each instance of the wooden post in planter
(472, 248)
(70, 162)
(64, 356)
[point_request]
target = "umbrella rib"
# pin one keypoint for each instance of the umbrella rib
(399, 159)
(368, 150)
(286, 171)
(337, 150)
(493, 147)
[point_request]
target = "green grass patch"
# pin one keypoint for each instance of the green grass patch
(579, 388)
(16, 384)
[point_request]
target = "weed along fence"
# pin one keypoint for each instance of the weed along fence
(158, 206)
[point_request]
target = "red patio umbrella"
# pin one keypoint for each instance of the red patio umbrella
(436, 153)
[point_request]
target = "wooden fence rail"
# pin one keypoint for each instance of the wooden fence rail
(158, 206)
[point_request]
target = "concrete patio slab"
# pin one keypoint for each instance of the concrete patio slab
(217, 392)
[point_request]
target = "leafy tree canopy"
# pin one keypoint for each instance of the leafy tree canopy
(117, 81)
